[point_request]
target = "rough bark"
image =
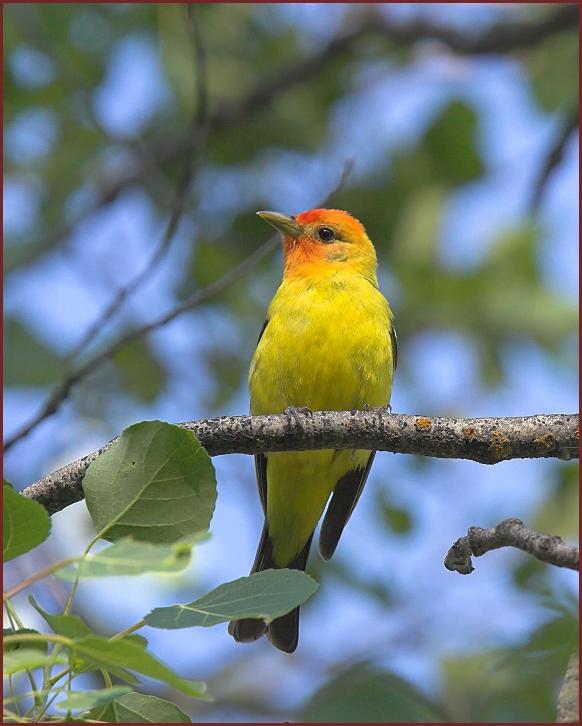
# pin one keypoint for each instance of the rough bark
(510, 533)
(568, 699)
(485, 440)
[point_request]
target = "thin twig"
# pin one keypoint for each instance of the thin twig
(503, 38)
(486, 440)
(194, 143)
(510, 533)
(553, 159)
(36, 576)
(197, 298)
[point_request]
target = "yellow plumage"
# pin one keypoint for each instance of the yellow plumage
(327, 347)
(328, 344)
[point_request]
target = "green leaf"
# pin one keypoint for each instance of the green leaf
(83, 666)
(364, 694)
(554, 71)
(265, 595)
(71, 626)
(137, 639)
(156, 484)
(128, 557)
(139, 708)
(81, 700)
(26, 523)
(12, 646)
(31, 362)
(127, 654)
(398, 519)
(74, 627)
(451, 145)
(414, 242)
(28, 659)
(141, 372)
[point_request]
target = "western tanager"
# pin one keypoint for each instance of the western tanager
(328, 344)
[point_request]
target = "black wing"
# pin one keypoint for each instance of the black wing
(345, 497)
(261, 459)
(394, 341)
(261, 469)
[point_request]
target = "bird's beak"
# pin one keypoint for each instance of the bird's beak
(286, 225)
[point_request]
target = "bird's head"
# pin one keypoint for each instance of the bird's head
(324, 240)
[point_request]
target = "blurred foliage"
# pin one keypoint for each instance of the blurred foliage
(30, 362)
(398, 519)
(516, 685)
(367, 694)
(58, 59)
(560, 511)
(141, 372)
(554, 73)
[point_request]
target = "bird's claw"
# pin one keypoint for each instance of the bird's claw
(380, 409)
(296, 412)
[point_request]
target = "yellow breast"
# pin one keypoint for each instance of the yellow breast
(326, 346)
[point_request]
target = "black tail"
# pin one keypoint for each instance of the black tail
(283, 632)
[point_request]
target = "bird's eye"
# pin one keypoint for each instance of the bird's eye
(326, 234)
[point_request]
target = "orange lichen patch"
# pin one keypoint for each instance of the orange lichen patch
(469, 433)
(546, 442)
(423, 423)
(500, 446)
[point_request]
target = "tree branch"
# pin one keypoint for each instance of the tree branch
(486, 440)
(503, 37)
(553, 158)
(568, 700)
(510, 533)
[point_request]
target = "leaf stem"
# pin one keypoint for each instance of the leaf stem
(46, 674)
(14, 618)
(38, 576)
(128, 631)
(36, 637)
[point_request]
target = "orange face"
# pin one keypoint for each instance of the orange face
(322, 238)
(329, 226)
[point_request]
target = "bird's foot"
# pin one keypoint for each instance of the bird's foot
(379, 409)
(296, 412)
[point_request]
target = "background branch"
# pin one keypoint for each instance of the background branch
(194, 144)
(554, 157)
(503, 38)
(486, 440)
(197, 298)
(510, 533)
(568, 700)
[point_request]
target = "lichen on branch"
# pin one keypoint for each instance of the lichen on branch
(485, 440)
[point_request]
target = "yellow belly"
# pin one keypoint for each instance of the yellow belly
(326, 346)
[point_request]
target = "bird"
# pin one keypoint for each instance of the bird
(328, 344)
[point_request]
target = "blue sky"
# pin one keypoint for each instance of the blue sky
(61, 294)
